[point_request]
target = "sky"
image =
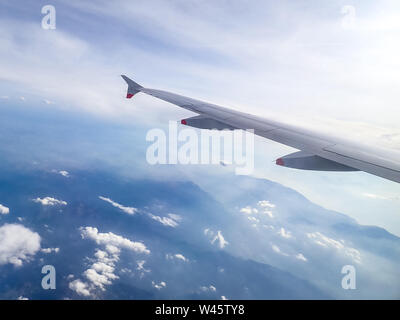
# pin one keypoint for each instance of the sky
(327, 65)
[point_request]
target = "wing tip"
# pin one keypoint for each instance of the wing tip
(133, 87)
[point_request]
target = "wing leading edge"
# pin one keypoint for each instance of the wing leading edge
(318, 151)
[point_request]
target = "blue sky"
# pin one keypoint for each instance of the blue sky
(294, 61)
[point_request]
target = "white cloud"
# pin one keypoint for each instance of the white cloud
(265, 204)
(125, 270)
(22, 298)
(4, 209)
(268, 213)
(224, 298)
(175, 217)
(18, 244)
(113, 239)
(278, 250)
(327, 242)
(160, 285)
(210, 288)
(49, 201)
(268, 226)
(177, 256)
(102, 272)
(284, 233)
(217, 238)
(64, 173)
(166, 221)
(128, 210)
(253, 219)
(220, 240)
(248, 210)
(50, 250)
(113, 249)
(80, 287)
(300, 256)
(140, 266)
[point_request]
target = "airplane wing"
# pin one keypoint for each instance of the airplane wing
(317, 151)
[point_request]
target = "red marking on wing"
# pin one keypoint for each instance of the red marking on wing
(280, 162)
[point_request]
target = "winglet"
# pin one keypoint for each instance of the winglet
(133, 87)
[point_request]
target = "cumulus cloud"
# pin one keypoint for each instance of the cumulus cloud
(18, 244)
(216, 238)
(268, 213)
(177, 256)
(128, 210)
(64, 173)
(265, 208)
(49, 201)
(4, 209)
(253, 219)
(102, 272)
(140, 267)
(265, 204)
(80, 287)
(276, 249)
(284, 233)
(112, 239)
(326, 242)
(175, 217)
(50, 250)
(22, 298)
(170, 221)
(209, 288)
(159, 286)
(248, 210)
(220, 240)
(300, 256)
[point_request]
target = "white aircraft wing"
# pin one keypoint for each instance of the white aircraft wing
(317, 151)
